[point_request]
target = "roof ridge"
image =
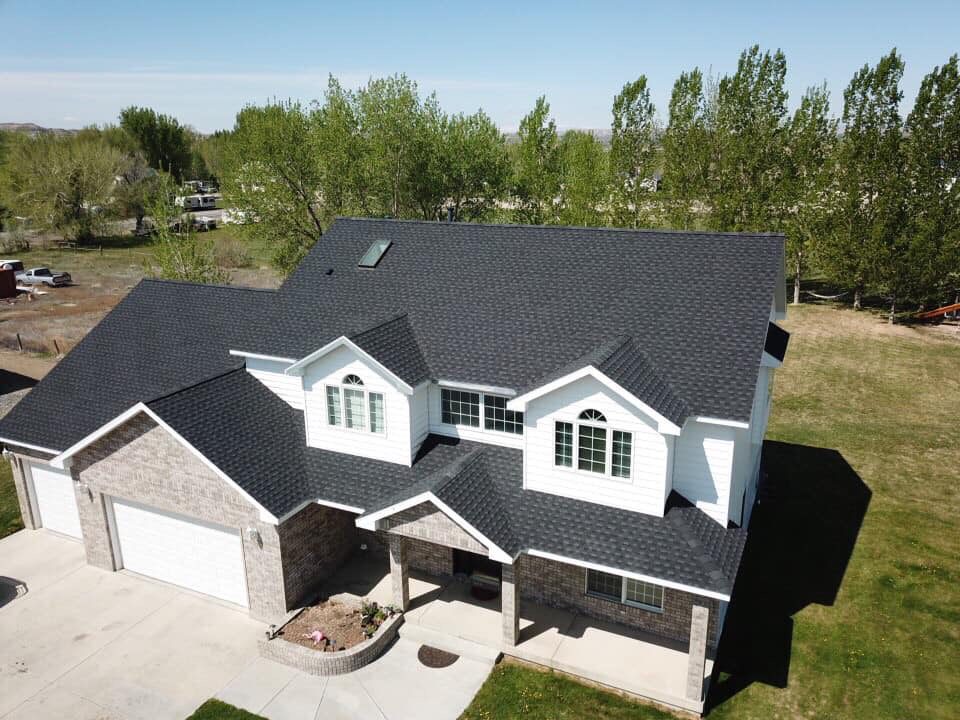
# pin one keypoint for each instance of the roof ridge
(442, 477)
(700, 552)
(654, 231)
(379, 324)
(193, 385)
(662, 377)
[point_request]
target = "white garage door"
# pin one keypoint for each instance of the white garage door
(183, 551)
(56, 501)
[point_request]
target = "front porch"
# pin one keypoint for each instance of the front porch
(604, 652)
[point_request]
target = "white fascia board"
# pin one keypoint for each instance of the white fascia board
(60, 460)
(629, 574)
(28, 446)
(770, 361)
(369, 522)
(490, 389)
(721, 421)
(664, 425)
(258, 356)
(327, 503)
(300, 366)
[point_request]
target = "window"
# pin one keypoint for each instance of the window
(647, 594)
(592, 450)
(604, 584)
(459, 408)
(497, 417)
(348, 404)
(563, 444)
(374, 254)
(620, 464)
(594, 415)
(625, 590)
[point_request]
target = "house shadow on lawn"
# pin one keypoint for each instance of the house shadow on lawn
(802, 535)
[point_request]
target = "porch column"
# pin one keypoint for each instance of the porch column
(697, 656)
(510, 605)
(399, 574)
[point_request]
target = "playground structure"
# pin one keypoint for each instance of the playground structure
(945, 310)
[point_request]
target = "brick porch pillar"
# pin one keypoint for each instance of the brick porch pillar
(697, 656)
(510, 605)
(399, 571)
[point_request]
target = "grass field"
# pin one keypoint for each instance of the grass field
(848, 603)
(10, 520)
(216, 710)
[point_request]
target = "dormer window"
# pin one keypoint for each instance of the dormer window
(594, 452)
(349, 405)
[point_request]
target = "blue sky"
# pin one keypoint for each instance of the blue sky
(69, 64)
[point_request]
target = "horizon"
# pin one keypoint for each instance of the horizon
(69, 69)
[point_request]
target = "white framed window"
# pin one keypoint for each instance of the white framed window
(349, 402)
(628, 591)
(462, 407)
(595, 452)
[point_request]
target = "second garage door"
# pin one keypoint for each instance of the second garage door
(183, 551)
(56, 501)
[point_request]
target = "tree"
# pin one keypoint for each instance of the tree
(342, 153)
(932, 158)
(810, 140)
(64, 183)
(164, 142)
(180, 253)
(272, 177)
(537, 166)
(745, 177)
(686, 150)
(476, 165)
(584, 179)
(633, 154)
(861, 249)
(136, 188)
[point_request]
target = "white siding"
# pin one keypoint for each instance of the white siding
(392, 445)
(646, 489)
(477, 434)
(703, 467)
(270, 372)
(419, 417)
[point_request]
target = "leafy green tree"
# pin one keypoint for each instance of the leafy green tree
(861, 249)
(271, 176)
(808, 150)
(164, 142)
(537, 166)
(932, 158)
(64, 184)
(633, 154)
(180, 253)
(585, 175)
(136, 188)
(342, 152)
(476, 165)
(750, 132)
(686, 151)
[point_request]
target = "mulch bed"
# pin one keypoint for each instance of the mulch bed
(336, 620)
(435, 657)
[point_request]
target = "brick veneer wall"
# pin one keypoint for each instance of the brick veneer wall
(17, 462)
(313, 544)
(564, 586)
(426, 522)
(425, 556)
(141, 462)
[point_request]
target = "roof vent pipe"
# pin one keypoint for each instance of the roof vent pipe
(450, 211)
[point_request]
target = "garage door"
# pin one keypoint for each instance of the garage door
(183, 551)
(56, 501)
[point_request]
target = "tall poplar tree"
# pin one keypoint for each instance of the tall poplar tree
(633, 155)
(584, 179)
(537, 166)
(686, 151)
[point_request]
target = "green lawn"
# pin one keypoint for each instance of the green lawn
(10, 520)
(848, 604)
(216, 710)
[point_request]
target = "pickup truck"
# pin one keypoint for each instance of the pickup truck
(43, 276)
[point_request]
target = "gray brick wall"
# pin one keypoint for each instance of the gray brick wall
(140, 461)
(313, 544)
(426, 522)
(424, 556)
(561, 585)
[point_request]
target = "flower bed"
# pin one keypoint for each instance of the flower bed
(350, 638)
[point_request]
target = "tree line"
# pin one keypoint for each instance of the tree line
(868, 201)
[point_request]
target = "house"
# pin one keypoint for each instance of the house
(574, 414)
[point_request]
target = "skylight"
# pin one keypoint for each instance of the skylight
(372, 256)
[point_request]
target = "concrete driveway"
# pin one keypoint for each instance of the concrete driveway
(92, 645)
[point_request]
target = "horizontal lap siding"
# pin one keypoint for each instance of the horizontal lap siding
(270, 372)
(419, 418)
(644, 491)
(391, 446)
(703, 467)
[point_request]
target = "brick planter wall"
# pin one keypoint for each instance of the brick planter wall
(331, 663)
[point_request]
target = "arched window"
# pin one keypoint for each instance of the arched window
(352, 380)
(593, 415)
(350, 406)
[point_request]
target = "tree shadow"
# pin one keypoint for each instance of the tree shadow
(801, 537)
(11, 381)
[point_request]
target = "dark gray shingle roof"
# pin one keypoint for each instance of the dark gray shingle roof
(394, 344)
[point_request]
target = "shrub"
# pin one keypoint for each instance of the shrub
(231, 253)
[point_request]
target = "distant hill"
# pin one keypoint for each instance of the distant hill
(601, 134)
(33, 129)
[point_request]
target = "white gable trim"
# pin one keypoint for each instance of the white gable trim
(300, 366)
(628, 574)
(664, 425)
(28, 446)
(258, 356)
(369, 522)
(770, 361)
(60, 460)
(489, 389)
(721, 421)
